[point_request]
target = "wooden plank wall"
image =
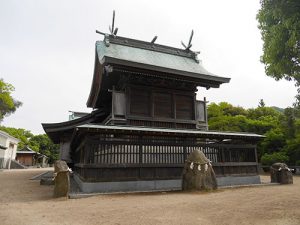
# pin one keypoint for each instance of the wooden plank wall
(157, 157)
(155, 103)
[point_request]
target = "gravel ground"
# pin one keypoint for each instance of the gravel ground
(24, 201)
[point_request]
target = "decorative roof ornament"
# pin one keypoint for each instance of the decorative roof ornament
(112, 29)
(154, 39)
(113, 33)
(189, 45)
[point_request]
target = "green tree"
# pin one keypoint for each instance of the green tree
(261, 120)
(289, 122)
(226, 117)
(260, 113)
(236, 123)
(46, 146)
(261, 126)
(226, 109)
(279, 23)
(8, 104)
(275, 141)
(22, 134)
(292, 149)
(281, 128)
(269, 159)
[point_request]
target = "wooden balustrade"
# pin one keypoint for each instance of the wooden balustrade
(137, 158)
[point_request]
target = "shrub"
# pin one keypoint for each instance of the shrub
(269, 159)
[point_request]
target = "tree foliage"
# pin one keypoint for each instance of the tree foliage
(279, 22)
(46, 146)
(226, 117)
(289, 121)
(8, 104)
(275, 141)
(269, 159)
(281, 128)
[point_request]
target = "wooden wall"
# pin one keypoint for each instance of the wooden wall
(25, 159)
(160, 103)
(134, 157)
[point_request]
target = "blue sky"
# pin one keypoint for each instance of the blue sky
(47, 50)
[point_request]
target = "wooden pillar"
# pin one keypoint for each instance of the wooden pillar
(140, 154)
(184, 150)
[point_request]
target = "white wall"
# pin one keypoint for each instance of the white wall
(6, 155)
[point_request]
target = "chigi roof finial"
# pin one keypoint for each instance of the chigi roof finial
(189, 45)
(154, 39)
(112, 29)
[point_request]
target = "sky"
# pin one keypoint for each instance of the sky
(47, 50)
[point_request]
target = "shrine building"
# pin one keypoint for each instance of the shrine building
(146, 120)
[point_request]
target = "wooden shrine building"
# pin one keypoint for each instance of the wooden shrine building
(28, 157)
(146, 120)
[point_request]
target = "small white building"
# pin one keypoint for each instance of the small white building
(8, 149)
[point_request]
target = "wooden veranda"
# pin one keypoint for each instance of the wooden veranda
(102, 153)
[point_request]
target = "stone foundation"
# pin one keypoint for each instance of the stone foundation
(156, 185)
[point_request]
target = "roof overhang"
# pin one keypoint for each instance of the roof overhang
(168, 131)
(26, 152)
(151, 58)
(57, 131)
(216, 81)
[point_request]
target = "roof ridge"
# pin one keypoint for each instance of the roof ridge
(150, 46)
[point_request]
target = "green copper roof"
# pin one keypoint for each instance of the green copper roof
(152, 56)
(121, 55)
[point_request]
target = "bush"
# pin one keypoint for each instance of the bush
(269, 159)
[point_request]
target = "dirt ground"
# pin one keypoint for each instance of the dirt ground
(24, 201)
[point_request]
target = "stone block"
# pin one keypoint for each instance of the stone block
(198, 173)
(281, 173)
(62, 179)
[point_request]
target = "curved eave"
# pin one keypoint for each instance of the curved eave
(216, 81)
(56, 130)
(66, 125)
(95, 86)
